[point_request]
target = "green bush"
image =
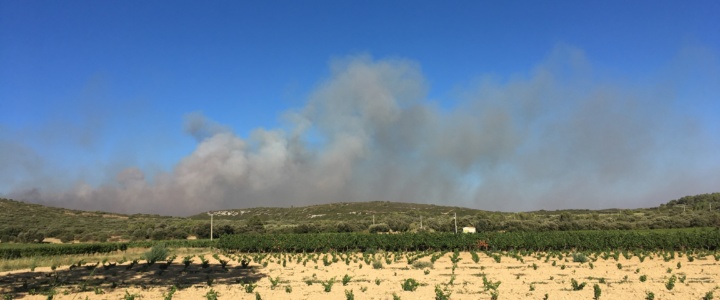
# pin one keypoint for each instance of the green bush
(422, 264)
(708, 296)
(440, 294)
(649, 296)
(156, 253)
(597, 292)
(377, 264)
(410, 285)
(375, 228)
(346, 279)
(580, 258)
(670, 284)
(327, 285)
(577, 286)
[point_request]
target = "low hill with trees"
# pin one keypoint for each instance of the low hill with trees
(26, 222)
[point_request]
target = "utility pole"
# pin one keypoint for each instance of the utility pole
(373, 219)
(211, 226)
(455, 223)
(421, 222)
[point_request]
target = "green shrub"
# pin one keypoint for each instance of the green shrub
(708, 296)
(375, 228)
(576, 286)
(187, 260)
(670, 284)
(489, 285)
(156, 253)
(455, 258)
(579, 257)
(212, 295)
(170, 293)
(377, 264)
(129, 296)
(649, 296)
(410, 285)
(597, 292)
(440, 294)
(422, 264)
(274, 282)
(475, 256)
(346, 279)
(327, 285)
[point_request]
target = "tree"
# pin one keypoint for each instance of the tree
(306, 228)
(344, 227)
(10, 234)
(178, 233)
(139, 234)
(67, 237)
(202, 231)
(224, 229)
(565, 217)
(375, 228)
(441, 224)
(159, 234)
(255, 224)
(398, 222)
(30, 236)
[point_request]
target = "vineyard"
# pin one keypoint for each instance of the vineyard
(11, 251)
(376, 274)
(667, 264)
(665, 239)
(678, 239)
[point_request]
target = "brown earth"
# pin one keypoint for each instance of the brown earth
(700, 276)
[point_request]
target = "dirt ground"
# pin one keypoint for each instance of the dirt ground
(518, 280)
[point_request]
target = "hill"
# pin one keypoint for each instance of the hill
(30, 221)
(342, 211)
(26, 222)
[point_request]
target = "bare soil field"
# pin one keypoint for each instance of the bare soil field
(294, 276)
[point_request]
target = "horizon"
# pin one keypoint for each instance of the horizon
(193, 214)
(177, 107)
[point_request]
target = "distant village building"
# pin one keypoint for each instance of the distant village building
(468, 229)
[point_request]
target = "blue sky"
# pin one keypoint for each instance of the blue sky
(92, 89)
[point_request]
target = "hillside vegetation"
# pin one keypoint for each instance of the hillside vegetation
(25, 222)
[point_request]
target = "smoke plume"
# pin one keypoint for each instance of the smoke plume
(554, 137)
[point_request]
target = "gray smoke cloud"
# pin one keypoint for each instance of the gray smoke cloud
(200, 127)
(555, 137)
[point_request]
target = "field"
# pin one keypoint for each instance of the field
(365, 275)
